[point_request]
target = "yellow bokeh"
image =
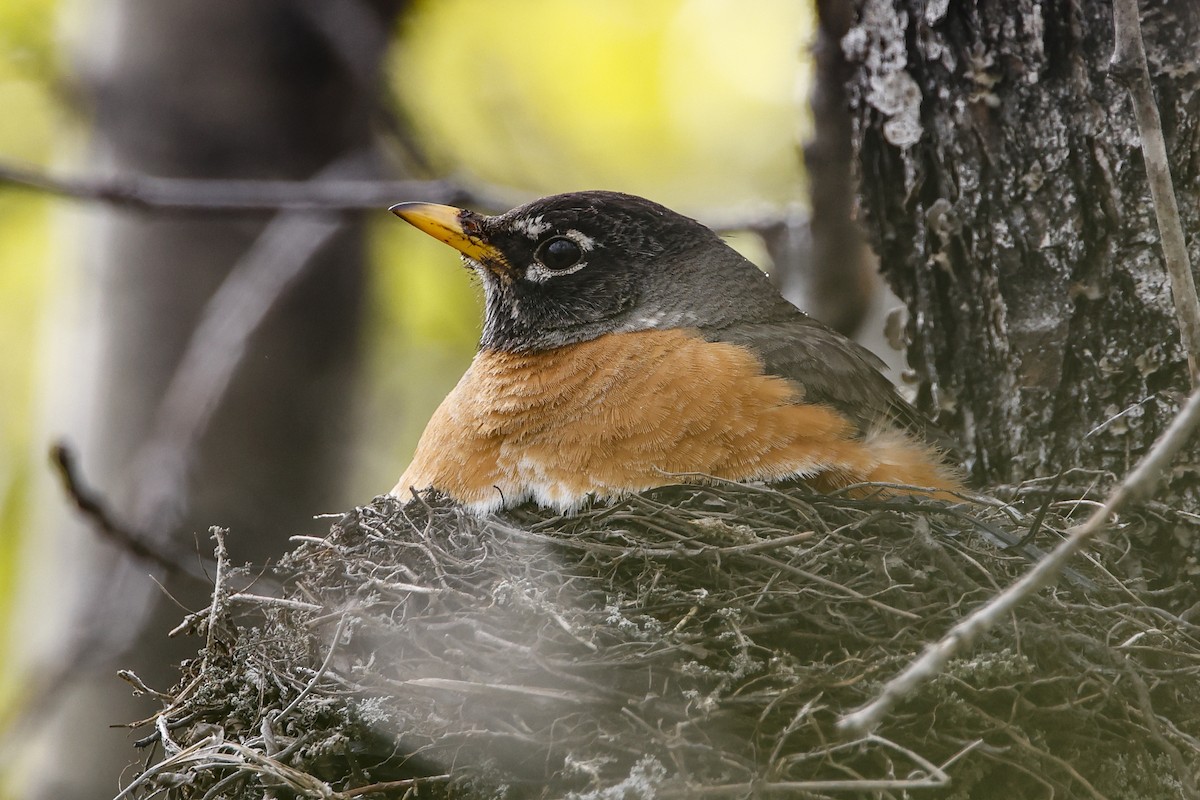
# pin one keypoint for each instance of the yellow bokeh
(28, 114)
(27, 41)
(692, 102)
(29, 102)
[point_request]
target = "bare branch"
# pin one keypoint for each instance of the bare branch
(92, 506)
(1129, 66)
(328, 194)
(963, 635)
(151, 193)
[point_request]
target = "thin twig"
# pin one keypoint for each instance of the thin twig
(764, 219)
(1130, 67)
(963, 635)
(93, 508)
(312, 684)
(278, 602)
(934, 777)
(170, 746)
(802, 788)
(219, 599)
(390, 786)
(130, 677)
(1180, 766)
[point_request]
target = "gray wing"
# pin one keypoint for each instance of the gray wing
(833, 370)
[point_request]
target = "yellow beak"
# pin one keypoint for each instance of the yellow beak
(444, 223)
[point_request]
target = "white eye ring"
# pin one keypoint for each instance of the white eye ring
(540, 272)
(559, 253)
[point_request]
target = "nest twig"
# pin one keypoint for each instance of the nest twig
(693, 641)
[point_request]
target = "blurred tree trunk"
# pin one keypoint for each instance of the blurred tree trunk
(844, 275)
(1003, 180)
(210, 89)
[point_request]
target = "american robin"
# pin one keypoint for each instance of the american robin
(626, 346)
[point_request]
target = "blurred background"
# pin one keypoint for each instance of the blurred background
(257, 368)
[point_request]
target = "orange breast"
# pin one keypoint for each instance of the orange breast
(633, 411)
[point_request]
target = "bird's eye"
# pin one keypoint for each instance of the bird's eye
(559, 253)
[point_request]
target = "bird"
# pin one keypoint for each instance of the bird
(627, 347)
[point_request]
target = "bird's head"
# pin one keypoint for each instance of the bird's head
(573, 267)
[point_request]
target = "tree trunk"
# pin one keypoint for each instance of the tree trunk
(204, 89)
(1003, 180)
(844, 274)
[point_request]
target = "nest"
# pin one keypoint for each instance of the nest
(690, 642)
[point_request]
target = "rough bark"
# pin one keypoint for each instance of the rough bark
(195, 88)
(1003, 179)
